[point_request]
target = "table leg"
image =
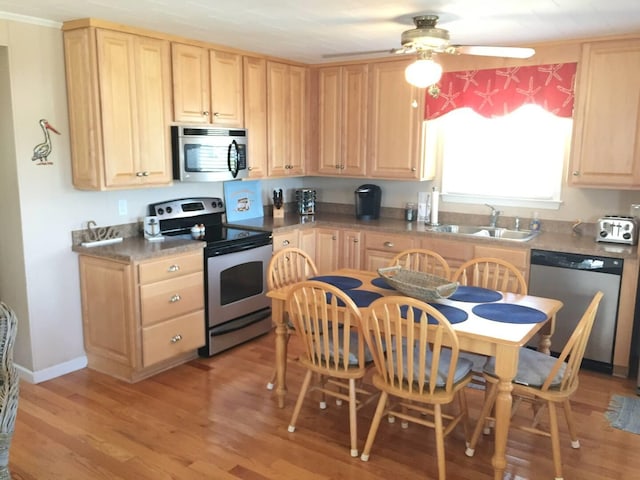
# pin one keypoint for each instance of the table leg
(506, 367)
(277, 315)
(544, 345)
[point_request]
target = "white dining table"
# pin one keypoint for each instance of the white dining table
(475, 334)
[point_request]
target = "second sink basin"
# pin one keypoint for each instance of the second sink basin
(484, 231)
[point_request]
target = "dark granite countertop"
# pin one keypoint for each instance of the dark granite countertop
(558, 240)
(134, 249)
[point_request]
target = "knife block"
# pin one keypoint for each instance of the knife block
(278, 212)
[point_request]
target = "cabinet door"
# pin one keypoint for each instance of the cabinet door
(606, 135)
(329, 121)
(226, 89)
(327, 249)
(287, 118)
(277, 107)
(454, 252)
(350, 255)
(342, 102)
(255, 114)
(153, 105)
(191, 84)
(394, 123)
(134, 87)
(307, 241)
(108, 315)
(297, 118)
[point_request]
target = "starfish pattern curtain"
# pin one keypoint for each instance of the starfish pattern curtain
(497, 92)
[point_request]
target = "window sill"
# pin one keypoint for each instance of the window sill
(501, 201)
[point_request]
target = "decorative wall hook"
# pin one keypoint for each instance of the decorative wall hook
(41, 152)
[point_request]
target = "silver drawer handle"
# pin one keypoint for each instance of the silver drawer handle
(285, 242)
(176, 338)
(388, 244)
(175, 298)
(173, 268)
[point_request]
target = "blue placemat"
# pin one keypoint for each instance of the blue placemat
(509, 313)
(453, 314)
(362, 298)
(475, 295)
(343, 283)
(381, 283)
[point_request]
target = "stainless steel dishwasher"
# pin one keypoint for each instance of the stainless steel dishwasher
(574, 279)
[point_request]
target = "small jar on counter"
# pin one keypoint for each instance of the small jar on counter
(410, 212)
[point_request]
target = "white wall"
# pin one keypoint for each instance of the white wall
(40, 207)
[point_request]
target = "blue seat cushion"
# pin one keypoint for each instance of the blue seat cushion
(353, 348)
(479, 361)
(533, 368)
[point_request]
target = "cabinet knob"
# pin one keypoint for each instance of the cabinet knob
(206, 114)
(176, 338)
(388, 244)
(145, 174)
(139, 174)
(413, 169)
(285, 242)
(355, 240)
(173, 268)
(216, 114)
(175, 298)
(576, 173)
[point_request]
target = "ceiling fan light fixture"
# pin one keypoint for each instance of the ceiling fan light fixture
(423, 72)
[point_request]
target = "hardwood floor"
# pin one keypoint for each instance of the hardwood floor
(214, 419)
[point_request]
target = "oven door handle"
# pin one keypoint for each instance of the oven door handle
(215, 252)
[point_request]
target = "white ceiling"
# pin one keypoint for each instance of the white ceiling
(304, 30)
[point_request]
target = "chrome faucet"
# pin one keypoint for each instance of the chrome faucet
(493, 216)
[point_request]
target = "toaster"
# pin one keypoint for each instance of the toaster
(617, 229)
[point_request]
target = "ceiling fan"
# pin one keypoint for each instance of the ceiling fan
(426, 40)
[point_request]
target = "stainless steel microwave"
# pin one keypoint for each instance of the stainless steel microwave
(204, 153)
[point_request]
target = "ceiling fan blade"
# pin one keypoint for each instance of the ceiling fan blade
(355, 54)
(508, 52)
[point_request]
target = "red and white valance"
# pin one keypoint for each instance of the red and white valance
(497, 92)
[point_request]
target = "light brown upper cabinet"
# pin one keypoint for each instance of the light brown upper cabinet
(207, 86)
(287, 111)
(342, 120)
(119, 94)
(606, 131)
(395, 124)
(255, 114)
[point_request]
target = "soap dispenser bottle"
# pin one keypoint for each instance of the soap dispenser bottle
(535, 222)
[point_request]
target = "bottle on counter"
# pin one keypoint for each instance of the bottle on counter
(410, 211)
(535, 222)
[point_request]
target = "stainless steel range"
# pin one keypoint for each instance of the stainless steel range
(235, 266)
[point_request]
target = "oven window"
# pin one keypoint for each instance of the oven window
(241, 281)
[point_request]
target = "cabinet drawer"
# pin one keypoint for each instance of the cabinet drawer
(170, 267)
(519, 258)
(171, 298)
(389, 243)
(173, 337)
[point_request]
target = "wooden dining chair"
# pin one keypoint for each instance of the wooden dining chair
(422, 260)
(328, 322)
(543, 380)
(286, 267)
(415, 372)
(494, 274)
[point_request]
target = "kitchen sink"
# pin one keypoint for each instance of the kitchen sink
(484, 231)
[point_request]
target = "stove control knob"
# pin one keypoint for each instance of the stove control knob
(169, 209)
(160, 211)
(603, 233)
(626, 236)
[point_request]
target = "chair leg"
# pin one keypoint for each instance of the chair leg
(353, 423)
(490, 398)
(272, 383)
(442, 472)
(555, 440)
(464, 410)
(568, 414)
(373, 429)
(301, 395)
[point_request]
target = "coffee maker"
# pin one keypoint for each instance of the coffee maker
(368, 199)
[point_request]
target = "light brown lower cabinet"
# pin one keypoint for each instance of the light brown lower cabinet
(380, 248)
(141, 318)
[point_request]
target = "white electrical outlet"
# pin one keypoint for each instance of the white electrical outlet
(122, 207)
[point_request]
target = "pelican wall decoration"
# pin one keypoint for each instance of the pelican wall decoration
(42, 151)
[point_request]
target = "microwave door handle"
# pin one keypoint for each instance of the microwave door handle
(233, 168)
